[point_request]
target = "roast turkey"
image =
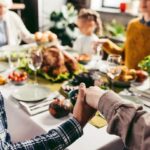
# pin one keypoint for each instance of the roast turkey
(57, 61)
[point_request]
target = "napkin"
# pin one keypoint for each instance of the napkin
(33, 108)
(98, 121)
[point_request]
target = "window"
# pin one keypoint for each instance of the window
(111, 3)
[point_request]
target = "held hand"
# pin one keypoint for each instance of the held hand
(82, 112)
(93, 95)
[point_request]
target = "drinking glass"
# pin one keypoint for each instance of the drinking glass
(35, 60)
(13, 58)
(113, 66)
(99, 55)
(99, 52)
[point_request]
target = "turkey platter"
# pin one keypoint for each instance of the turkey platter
(57, 64)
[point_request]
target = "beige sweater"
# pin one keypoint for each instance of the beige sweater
(126, 120)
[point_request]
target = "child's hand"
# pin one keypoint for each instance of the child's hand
(98, 43)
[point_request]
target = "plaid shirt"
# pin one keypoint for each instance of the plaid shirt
(56, 139)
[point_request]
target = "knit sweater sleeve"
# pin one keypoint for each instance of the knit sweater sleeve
(112, 48)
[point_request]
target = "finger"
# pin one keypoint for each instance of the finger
(82, 91)
(91, 87)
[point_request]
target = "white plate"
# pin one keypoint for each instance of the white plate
(3, 66)
(30, 93)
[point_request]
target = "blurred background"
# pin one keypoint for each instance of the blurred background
(36, 14)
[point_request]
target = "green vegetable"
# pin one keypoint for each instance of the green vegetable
(145, 64)
(61, 77)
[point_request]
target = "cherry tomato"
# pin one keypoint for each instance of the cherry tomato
(10, 76)
(16, 74)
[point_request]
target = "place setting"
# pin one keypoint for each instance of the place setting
(29, 95)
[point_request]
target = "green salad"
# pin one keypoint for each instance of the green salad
(145, 64)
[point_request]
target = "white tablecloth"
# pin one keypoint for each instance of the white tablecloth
(23, 127)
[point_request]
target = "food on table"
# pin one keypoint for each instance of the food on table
(67, 87)
(128, 75)
(45, 37)
(145, 64)
(73, 96)
(141, 75)
(56, 62)
(87, 77)
(84, 58)
(57, 65)
(18, 77)
(60, 108)
(2, 80)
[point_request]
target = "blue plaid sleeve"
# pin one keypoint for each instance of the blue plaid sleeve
(55, 139)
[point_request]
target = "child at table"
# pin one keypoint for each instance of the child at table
(90, 26)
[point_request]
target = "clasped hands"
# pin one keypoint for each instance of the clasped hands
(87, 103)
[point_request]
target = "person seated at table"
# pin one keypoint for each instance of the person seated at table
(12, 28)
(125, 119)
(57, 139)
(137, 45)
(89, 24)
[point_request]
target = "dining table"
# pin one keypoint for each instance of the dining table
(23, 126)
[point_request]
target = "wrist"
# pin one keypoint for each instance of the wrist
(94, 101)
(80, 121)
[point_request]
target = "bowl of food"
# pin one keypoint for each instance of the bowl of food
(84, 58)
(126, 77)
(45, 37)
(130, 76)
(18, 77)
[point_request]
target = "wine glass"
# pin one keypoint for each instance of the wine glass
(35, 60)
(98, 55)
(113, 66)
(13, 58)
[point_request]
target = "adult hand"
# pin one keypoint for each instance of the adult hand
(93, 95)
(82, 112)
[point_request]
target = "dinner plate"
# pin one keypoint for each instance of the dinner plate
(30, 93)
(3, 66)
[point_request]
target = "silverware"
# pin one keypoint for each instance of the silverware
(144, 94)
(39, 106)
(44, 103)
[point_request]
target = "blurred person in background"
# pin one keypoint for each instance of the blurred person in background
(12, 28)
(90, 26)
(137, 44)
